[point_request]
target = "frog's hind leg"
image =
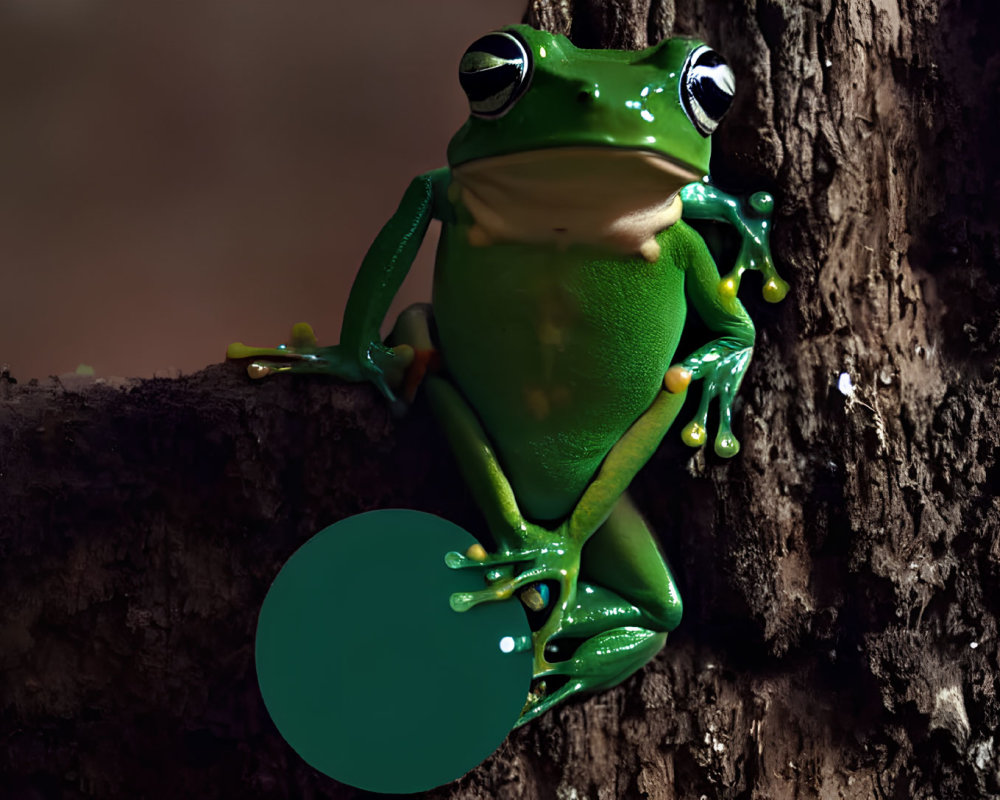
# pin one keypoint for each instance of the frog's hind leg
(479, 465)
(623, 554)
(471, 447)
(610, 634)
(414, 329)
(599, 663)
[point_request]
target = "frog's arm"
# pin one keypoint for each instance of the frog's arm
(753, 223)
(384, 267)
(723, 361)
(361, 354)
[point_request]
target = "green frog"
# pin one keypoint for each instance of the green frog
(563, 276)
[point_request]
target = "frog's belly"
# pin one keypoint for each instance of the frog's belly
(557, 351)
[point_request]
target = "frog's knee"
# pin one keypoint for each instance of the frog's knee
(414, 329)
(664, 609)
(414, 326)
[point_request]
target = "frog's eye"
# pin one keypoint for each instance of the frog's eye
(494, 72)
(707, 86)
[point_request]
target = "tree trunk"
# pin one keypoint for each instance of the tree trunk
(840, 575)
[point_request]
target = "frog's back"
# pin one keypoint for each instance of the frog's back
(558, 351)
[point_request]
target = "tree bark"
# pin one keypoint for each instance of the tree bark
(840, 575)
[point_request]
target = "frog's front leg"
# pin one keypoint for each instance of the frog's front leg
(722, 362)
(361, 354)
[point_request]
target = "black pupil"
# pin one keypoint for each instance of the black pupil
(709, 84)
(491, 71)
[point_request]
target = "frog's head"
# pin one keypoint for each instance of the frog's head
(530, 90)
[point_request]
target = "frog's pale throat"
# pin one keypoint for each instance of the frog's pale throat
(603, 196)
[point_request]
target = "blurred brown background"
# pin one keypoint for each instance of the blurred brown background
(176, 176)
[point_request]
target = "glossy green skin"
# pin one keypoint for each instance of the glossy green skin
(549, 433)
(598, 379)
(635, 104)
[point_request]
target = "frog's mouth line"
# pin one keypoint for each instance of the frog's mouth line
(606, 196)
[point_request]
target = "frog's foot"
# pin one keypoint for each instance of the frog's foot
(558, 563)
(383, 366)
(301, 347)
(598, 663)
(755, 251)
(752, 220)
(722, 373)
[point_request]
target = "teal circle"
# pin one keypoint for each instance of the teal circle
(366, 670)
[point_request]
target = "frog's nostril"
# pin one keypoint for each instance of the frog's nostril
(585, 96)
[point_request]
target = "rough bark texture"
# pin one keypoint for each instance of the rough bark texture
(841, 575)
